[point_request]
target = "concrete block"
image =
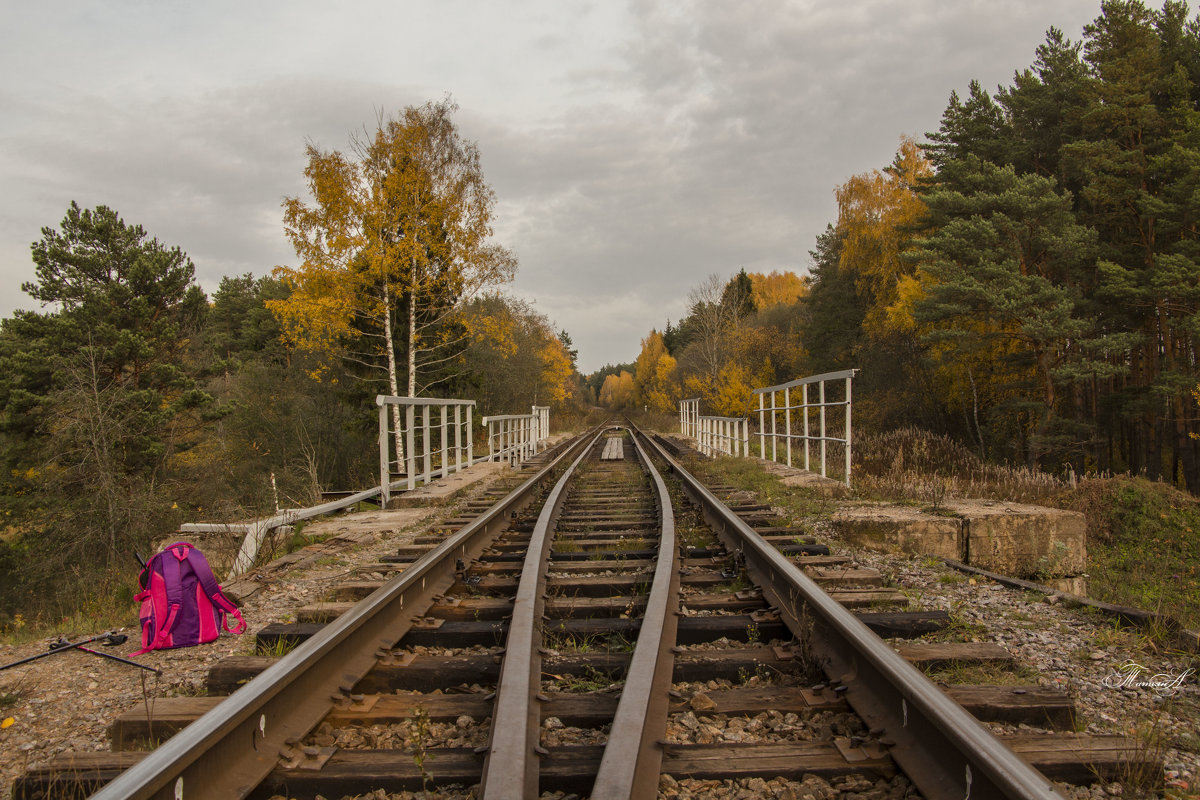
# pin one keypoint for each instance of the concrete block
(1022, 540)
(1010, 538)
(443, 490)
(899, 529)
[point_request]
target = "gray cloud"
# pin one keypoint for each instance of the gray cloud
(634, 150)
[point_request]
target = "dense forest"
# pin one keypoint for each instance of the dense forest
(132, 402)
(1026, 280)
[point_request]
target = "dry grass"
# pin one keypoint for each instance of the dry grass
(913, 465)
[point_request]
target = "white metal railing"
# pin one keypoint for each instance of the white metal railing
(425, 440)
(728, 435)
(543, 423)
(689, 415)
(254, 533)
(419, 441)
(769, 414)
(512, 438)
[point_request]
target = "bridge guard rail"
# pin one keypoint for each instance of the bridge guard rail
(543, 423)
(689, 417)
(770, 411)
(728, 435)
(419, 442)
(512, 438)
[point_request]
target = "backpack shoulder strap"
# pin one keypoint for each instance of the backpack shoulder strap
(174, 588)
(212, 589)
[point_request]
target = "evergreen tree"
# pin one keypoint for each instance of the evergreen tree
(97, 397)
(998, 265)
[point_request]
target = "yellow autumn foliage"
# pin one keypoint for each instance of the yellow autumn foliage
(653, 372)
(876, 212)
(617, 391)
(556, 371)
(776, 288)
(498, 330)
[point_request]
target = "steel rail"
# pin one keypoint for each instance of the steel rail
(946, 752)
(231, 749)
(511, 768)
(632, 757)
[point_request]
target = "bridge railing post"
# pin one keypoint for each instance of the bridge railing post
(823, 406)
(513, 438)
(728, 435)
(425, 439)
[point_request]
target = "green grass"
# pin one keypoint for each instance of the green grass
(1143, 545)
(958, 673)
(94, 608)
(9, 699)
(592, 680)
(958, 630)
(561, 640)
(747, 475)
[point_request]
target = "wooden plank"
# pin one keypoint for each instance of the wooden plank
(1032, 705)
(832, 576)
(790, 760)
(166, 717)
(562, 768)
(858, 598)
(466, 608)
(479, 608)
(1035, 705)
(280, 636)
(803, 550)
(73, 775)
(904, 623)
(1083, 759)
(427, 673)
(931, 655)
(1073, 757)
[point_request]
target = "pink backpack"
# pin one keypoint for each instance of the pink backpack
(182, 604)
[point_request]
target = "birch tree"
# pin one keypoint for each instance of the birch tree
(396, 238)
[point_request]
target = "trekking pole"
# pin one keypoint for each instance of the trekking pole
(114, 640)
(59, 647)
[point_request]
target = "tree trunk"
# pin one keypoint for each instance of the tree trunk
(393, 379)
(412, 331)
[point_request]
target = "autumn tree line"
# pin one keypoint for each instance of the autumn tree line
(131, 402)
(1027, 279)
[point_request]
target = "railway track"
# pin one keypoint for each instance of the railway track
(609, 621)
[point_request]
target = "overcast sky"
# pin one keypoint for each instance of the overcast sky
(635, 148)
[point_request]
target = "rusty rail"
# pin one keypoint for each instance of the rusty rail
(228, 751)
(946, 752)
(633, 756)
(511, 766)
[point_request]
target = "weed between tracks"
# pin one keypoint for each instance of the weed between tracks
(590, 643)
(418, 739)
(592, 680)
(957, 672)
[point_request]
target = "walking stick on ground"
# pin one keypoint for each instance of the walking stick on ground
(115, 640)
(60, 647)
(111, 638)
